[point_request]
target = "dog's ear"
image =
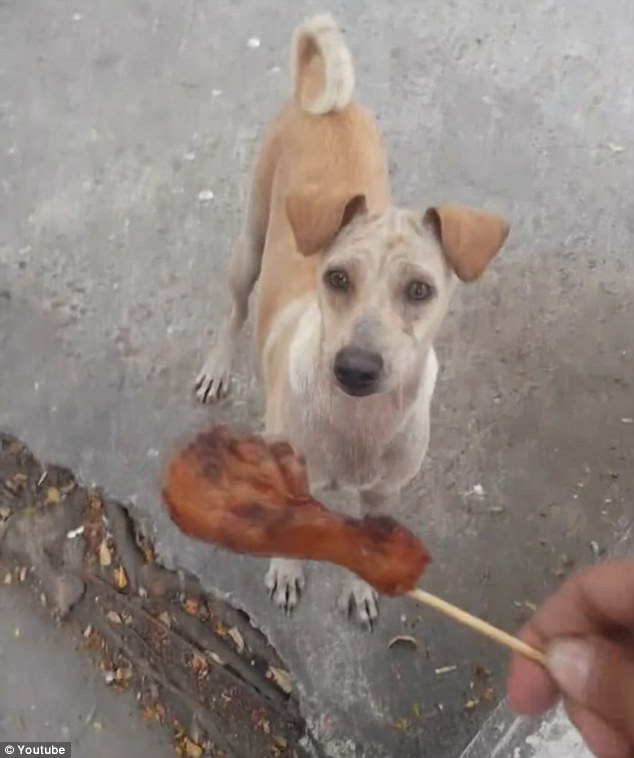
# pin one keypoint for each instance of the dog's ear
(469, 238)
(316, 217)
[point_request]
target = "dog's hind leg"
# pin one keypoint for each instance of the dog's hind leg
(214, 379)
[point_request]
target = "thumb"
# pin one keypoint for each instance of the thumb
(597, 674)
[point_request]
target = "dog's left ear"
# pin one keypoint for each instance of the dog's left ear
(316, 217)
(469, 238)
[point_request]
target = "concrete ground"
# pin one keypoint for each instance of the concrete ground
(50, 692)
(126, 132)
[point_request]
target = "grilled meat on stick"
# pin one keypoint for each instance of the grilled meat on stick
(250, 496)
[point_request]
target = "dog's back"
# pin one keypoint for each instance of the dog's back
(322, 145)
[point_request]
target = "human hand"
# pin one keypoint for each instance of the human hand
(586, 629)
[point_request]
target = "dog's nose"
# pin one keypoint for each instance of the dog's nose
(358, 371)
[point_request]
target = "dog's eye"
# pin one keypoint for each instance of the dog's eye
(337, 279)
(419, 291)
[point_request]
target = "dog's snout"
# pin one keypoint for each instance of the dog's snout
(358, 371)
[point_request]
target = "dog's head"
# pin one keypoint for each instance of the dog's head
(385, 281)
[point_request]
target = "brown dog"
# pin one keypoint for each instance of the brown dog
(351, 294)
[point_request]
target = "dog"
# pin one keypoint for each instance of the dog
(351, 294)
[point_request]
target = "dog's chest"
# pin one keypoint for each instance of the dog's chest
(343, 445)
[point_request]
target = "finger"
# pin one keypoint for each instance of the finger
(592, 601)
(588, 603)
(607, 591)
(599, 675)
(602, 739)
(531, 689)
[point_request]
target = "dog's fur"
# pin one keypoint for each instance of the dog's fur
(347, 282)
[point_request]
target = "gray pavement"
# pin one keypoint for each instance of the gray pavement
(116, 116)
(51, 692)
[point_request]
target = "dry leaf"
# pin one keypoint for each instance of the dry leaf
(282, 678)
(237, 638)
(221, 630)
(150, 714)
(15, 483)
(105, 556)
(199, 664)
(192, 604)
(489, 694)
(482, 672)
(470, 705)
(403, 639)
(123, 675)
(120, 578)
(401, 725)
(53, 496)
(165, 619)
(416, 710)
(192, 750)
(113, 617)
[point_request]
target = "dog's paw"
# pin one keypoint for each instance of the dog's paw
(360, 602)
(285, 581)
(214, 380)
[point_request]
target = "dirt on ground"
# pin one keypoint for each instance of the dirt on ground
(194, 661)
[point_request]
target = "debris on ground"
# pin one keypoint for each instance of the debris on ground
(193, 661)
(403, 639)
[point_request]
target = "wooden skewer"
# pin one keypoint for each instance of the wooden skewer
(478, 625)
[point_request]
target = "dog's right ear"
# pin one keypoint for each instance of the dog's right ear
(317, 217)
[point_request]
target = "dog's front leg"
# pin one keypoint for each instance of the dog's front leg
(213, 381)
(285, 581)
(359, 600)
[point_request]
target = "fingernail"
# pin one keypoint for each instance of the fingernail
(570, 663)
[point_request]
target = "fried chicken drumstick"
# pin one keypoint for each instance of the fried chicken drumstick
(253, 497)
(250, 496)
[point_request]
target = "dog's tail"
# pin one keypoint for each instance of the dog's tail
(323, 74)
